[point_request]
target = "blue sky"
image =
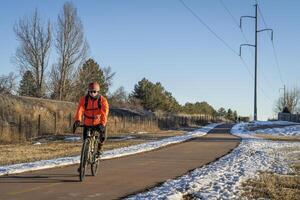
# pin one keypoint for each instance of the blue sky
(162, 41)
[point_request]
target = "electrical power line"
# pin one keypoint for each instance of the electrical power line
(259, 87)
(273, 46)
(223, 41)
(245, 38)
(204, 24)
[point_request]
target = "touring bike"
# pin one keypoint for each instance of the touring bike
(89, 154)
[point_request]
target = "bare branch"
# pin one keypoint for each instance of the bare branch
(8, 83)
(34, 48)
(290, 100)
(109, 75)
(71, 48)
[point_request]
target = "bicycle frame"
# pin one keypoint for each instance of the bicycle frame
(92, 135)
(88, 152)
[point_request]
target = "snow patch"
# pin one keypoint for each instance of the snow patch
(115, 153)
(222, 179)
(242, 129)
(129, 137)
(72, 138)
(285, 131)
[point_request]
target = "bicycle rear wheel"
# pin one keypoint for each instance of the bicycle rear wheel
(96, 161)
(84, 158)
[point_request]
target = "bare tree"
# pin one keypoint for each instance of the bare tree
(118, 98)
(33, 52)
(108, 76)
(290, 101)
(71, 48)
(8, 83)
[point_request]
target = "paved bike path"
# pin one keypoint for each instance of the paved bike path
(121, 176)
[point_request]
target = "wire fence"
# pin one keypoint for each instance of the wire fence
(25, 127)
(289, 117)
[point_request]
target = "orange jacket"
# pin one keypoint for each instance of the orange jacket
(92, 115)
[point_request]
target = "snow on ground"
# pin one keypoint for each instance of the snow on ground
(37, 143)
(266, 123)
(222, 179)
(285, 131)
(72, 138)
(114, 153)
(242, 129)
(122, 138)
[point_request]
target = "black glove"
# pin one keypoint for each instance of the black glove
(75, 125)
(101, 128)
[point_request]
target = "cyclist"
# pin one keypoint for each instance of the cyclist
(92, 112)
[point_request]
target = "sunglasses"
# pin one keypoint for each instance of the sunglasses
(93, 91)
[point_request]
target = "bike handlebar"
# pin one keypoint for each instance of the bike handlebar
(81, 125)
(74, 128)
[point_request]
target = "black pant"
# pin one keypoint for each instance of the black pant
(102, 136)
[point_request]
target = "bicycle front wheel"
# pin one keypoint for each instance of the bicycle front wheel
(96, 161)
(84, 158)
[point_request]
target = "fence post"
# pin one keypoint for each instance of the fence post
(70, 119)
(132, 124)
(166, 122)
(39, 125)
(20, 128)
(2, 121)
(124, 122)
(115, 127)
(149, 123)
(55, 122)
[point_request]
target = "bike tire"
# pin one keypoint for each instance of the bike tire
(84, 158)
(96, 161)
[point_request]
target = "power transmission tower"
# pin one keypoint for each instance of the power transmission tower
(255, 46)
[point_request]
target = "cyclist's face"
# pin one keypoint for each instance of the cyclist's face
(93, 93)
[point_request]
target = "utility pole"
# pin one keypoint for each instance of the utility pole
(255, 46)
(284, 92)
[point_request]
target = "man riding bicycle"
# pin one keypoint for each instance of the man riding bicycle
(92, 111)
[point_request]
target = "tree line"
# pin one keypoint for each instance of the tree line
(154, 97)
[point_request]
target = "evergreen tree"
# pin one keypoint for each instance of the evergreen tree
(235, 115)
(89, 72)
(222, 112)
(230, 114)
(199, 108)
(27, 85)
(154, 97)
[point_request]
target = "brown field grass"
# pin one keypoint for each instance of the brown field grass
(54, 148)
(279, 137)
(273, 186)
(276, 186)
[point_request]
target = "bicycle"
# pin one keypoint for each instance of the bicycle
(89, 153)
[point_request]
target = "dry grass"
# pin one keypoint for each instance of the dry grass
(275, 186)
(188, 197)
(12, 154)
(279, 137)
(28, 117)
(54, 148)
